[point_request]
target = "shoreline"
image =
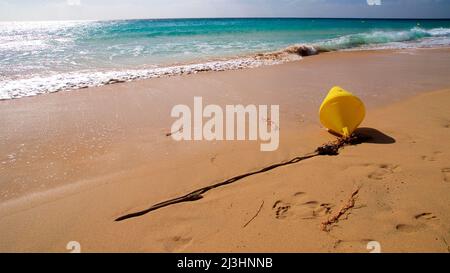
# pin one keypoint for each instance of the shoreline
(79, 80)
(99, 153)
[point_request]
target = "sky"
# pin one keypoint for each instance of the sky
(27, 10)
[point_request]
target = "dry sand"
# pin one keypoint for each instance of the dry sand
(72, 162)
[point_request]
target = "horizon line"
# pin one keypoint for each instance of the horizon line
(251, 17)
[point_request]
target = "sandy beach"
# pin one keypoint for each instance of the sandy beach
(72, 162)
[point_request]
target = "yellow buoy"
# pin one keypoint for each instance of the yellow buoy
(341, 112)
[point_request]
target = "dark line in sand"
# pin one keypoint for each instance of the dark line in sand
(446, 244)
(259, 210)
(197, 194)
(177, 131)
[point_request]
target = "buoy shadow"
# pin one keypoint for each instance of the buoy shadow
(371, 135)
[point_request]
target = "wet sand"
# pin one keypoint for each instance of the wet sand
(72, 162)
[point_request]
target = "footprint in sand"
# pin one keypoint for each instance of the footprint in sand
(422, 221)
(446, 174)
(409, 228)
(425, 216)
(382, 171)
(213, 158)
(177, 243)
(445, 123)
(299, 205)
(352, 245)
(433, 157)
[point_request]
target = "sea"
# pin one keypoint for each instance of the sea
(48, 56)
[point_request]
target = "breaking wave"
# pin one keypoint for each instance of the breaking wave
(376, 38)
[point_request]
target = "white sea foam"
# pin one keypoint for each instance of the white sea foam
(68, 81)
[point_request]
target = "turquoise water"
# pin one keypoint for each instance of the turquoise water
(40, 57)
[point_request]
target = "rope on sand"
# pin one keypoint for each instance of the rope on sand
(259, 210)
(331, 149)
